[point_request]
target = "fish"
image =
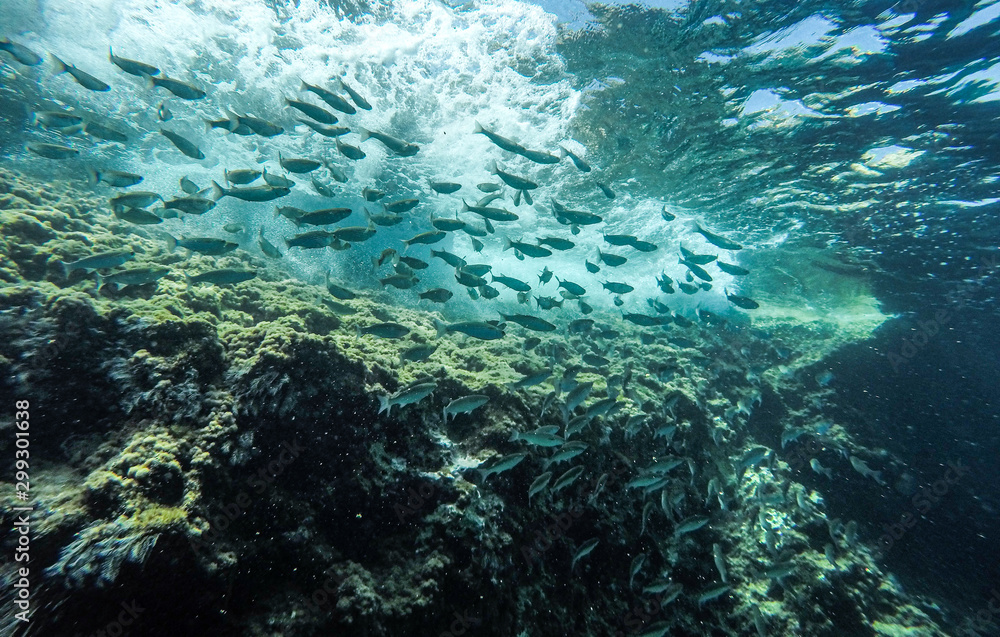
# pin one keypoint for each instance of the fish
(510, 282)
(502, 142)
(620, 239)
(98, 261)
(815, 465)
(163, 112)
(475, 329)
(566, 216)
(447, 225)
(531, 380)
(529, 322)
(137, 216)
(666, 214)
(326, 131)
(490, 214)
(862, 467)
(488, 187)
(539, 157)
(437, 295)
(712, 593)
(298, 165)
(332, 99)
(515, 182)
(317, 113)
(58, 120)
(545, 275)
(547, 302)
(576, 397)
(276, 181)
(242, 176)
(183, 144)
(699, 259)
(617, 288)
(444, 187)
(203, 245)
(383, 330)
(779, 570)
(181, 89)
(355, 234)
(349, 151)
(115, 178)
(189, 186)
(406, 396)
(595, 360)
(690, 525)
(397, 146)
(401, 205)
(234, 228)
(359, 101)
(257, 125)
(135, 276)
(21, 53)
(566, 479)
(338, 291)
(386, 221)
(613, 260)
(425, 238)
(572, 288)
(132, 67)
(696, 270)
(223, 276)
(581, 165)
(135, 199)
(720, 563)
(414, 263)
(610, 194)
(84, 79)
(499, 465)
(717, 240)
(324, 217)
(267, 247)
(453, 260)
(539, 484)
(254, 193)
(191, 205)
(371, 194)
(400, 281)
(464, 405)
(584, 550)
(417, 353)
(592, 268)
(743, 302)
(51, 151)
(104, 132)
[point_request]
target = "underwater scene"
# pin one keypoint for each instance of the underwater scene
(499, 318)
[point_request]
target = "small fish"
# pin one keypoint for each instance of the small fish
(583, 551)
(607, 191)
(529, 322)
(690, 525)
(414, 263)
(99, 261)
(447, 225)
(573, 448)
(742, 301)
(311, 110)
(137, 216)
(613, 260)
(699, 259)
(488, 187)
(242, 176)
(21, 53)
(510, 282)
(355, 233)
(52, 151)
(464, 405)
(180, 89)
(531, 380)
(332, 99)
(567, 479)
(383, 330)
(545, 275)
(104, 132)
(139, 69)
(406, 396)
(135, 199)
(355, 96)
(189, 186)
(491, 214)
(114, 178)
(712, 593)
(276, 181)
(84, 79)
(183, 144)
(502, 142)
(401, 205)
(556, 243)
(717, 240)
(539, 484)
(500, 465)
(267, 247)
(191, 205)
(234, 228)
(820, 469)
(203, 245)
(547, 302)
(666, 214)
(298, 165)
(254, 193)
(437, 295)
(475, 329)
(338, 291)
(322, 189)
(326, 131)
(135, 276)
(591, 267)
(371, 194)
(397, 146)
(515, 182)
(572, 288)
(223, 276)
(351, 152)
(426, 238)
(417, 353)
(581, 165)
(163, 112)
(453, 260)
(862, 467)
(400, 281)
(323, 217)
(720, 563)
(444, 187)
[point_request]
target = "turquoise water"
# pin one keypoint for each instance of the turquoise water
(787, 215)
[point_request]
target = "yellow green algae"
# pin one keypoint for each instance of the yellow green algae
(197, 395)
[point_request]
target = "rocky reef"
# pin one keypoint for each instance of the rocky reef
(212, 460)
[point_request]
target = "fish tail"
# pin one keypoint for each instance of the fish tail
(171, 243)
(150, 82)
(513, 437)
(187, 280)
(440, 327)
(357, 334)
(507, 245)
(465, 206)
(99, 280)
(478, 128)
(208, 129)
(383, 400)
(493, 167)
(58, 65)
(364, 133)
(218, 192)
(93, 176)
(444, 415)
(562, 152)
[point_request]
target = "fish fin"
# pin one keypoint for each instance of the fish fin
(563, 153)
(93, 176)
(150, 81)
(59, 66)
(171, 243)
(493, 167)
(507, 245)
(218, 192)
(513, 436)
(208, 127)
(465, 206)
(441, 327)
(187, 280)
(111, 53)
(478, 128)
(364, 133)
